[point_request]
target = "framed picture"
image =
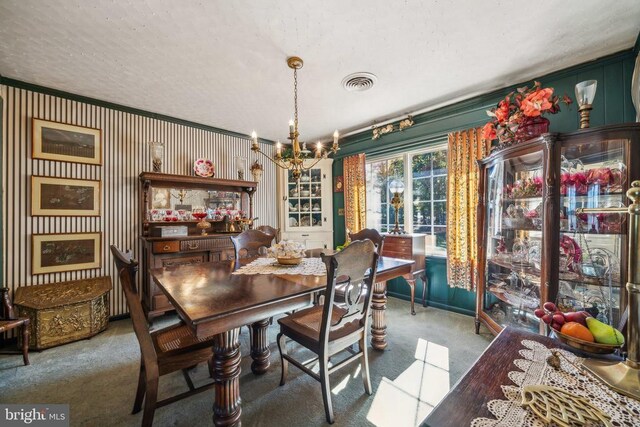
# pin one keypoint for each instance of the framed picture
(338, 185)
(55, 253)
(66, 143)
(64, 197)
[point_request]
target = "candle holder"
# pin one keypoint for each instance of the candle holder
(585, 93)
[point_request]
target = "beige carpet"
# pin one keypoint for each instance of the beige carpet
(427, 354)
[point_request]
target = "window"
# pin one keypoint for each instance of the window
(380, 213)
(429, 179)
(425, 178)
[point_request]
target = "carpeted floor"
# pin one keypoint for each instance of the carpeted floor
(427, 354)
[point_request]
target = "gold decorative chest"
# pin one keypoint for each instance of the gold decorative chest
(64, 312)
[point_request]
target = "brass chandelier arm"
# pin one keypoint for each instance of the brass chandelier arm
(280, 163)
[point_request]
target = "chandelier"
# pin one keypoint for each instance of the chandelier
(301, 158)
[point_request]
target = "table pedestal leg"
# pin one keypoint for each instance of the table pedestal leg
(226, 375)
(379, 321)
(260, 347)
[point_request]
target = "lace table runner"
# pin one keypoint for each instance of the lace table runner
(535, 370)
(308, 267)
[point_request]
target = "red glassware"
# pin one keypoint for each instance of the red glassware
(532, 127)
(199, 215)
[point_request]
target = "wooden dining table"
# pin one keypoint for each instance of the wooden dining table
(214, 302)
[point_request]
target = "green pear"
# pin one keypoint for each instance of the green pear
(603, 333)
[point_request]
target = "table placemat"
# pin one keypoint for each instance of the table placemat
(308, 267)
(534, 369)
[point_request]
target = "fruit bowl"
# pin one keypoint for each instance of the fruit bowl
(289, 260)
(586, 346)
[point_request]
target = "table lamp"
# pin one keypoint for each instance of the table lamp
(396, 187)
(585, 93)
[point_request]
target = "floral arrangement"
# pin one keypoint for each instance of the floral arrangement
(519, 109)
(286, 249)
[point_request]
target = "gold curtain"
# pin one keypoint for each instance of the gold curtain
(465, 148)
(355, 193)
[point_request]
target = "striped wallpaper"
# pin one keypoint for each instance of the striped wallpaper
(125, 155)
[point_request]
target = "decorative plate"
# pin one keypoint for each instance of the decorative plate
(204, 168)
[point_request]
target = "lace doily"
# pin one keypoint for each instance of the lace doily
(534, 370)
(308, 267)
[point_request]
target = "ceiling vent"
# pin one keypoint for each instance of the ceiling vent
(358, 82)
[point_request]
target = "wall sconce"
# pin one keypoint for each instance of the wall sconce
(585, 93)
(396, 186)
(157, 155)
(256, 171)
(241, 167)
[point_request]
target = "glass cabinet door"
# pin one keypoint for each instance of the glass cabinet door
(305, 199)
(593, 247)
(513, 221)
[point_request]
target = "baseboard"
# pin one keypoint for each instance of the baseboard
(119, 317)
(434, 304)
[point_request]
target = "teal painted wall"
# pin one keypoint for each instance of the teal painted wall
(612, 104)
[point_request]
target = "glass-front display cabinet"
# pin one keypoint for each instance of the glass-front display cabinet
(307, 209)
(513, 280)
(536, 246)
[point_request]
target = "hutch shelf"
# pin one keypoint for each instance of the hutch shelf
(534, 247)
(169, 232)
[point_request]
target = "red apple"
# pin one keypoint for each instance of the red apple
(555, 326)
(547, 318)
(539, 313)
(549, 306)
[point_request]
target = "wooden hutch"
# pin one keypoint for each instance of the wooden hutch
(169, 234)
(533, 243)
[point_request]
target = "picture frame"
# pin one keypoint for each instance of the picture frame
(56, 253)
(66, 143)
(51, 196)
(338, 185)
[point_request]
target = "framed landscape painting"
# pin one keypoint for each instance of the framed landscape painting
(55, 253)
(64, 197)
(66, 143)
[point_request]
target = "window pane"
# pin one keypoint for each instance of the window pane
(440, 213)
(420, 211)
(441, 236)
(421, 190)
(440, 162)
(422, 229)
(440, 188)
(421, 165)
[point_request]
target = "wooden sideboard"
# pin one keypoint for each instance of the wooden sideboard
(158, 252)
(166, 205)
(409, 246)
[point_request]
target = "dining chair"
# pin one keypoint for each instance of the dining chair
(8, 321)
(275, 232)
(251, 243)
(371, 234)
(163, 351)
(331, 329)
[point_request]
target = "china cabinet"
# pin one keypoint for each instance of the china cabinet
(306, 211)
(534, 246)
(187, 220)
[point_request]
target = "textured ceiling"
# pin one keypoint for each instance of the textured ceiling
(222, 63)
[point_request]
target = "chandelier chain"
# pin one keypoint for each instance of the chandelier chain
(295, 98)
